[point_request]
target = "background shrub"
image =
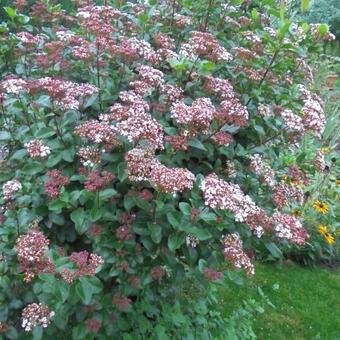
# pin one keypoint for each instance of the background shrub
(148, 152)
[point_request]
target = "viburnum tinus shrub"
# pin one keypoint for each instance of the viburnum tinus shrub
(142, 159)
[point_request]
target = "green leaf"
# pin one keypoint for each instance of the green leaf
(175, 241)
(306, 5)
(174, 219)
(95, 214)
(255, 14)
(200, 233)
(90, 101)
(53, 160)
(84, 290)
(323, 29)
(4, 135)
(156, 233)
(23, 19)
(107, 193)
(208, 216)
(240, 150)
(122, 175)
(32, 168)
(45, 132)
(11, 12)
(78, 217)
(185, 208)
(68, 154)
(195, 143)
(129, 202)
(274, 250)
(19, 154)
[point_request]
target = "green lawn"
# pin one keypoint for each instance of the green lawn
(307, 302)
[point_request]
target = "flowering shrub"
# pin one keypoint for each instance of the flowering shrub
(142, 159)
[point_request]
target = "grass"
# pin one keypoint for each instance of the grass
(307, 302)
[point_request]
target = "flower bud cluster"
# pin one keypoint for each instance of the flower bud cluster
(36, 315)
(259, 166)
(31, 251)
(289, 227)
(37, 149)
(97, 180)
(10, 188)
(90, 156)
(205, 45)
(234, 253)
(219, 194)
(55, 183)
(284, 193)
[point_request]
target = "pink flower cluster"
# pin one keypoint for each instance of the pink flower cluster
(37, 149)
(182, 21)
(264, 111)
(284, 192)
(234, 253)
(319, 161)
(132, 49)
(31, 251)
(139, 161)
(289, 228)
(205, 45)
(121, 302)
(86, 263)
(124, 231)
(141, 127)
(134, 122)
(198, 116)
(171, 93)
(93, 325)
(157, 273)
(171, 180)
(90, 156)
(223, 138)
(258, 165)
(97, 181)
(180, 141)
(220, 87)
(65, 94)
(313, 115)
(29, 40)
(98, 20)
(97, 132)
(292, 120)
(315, 29)
(143, 166)
(245, 54)
(55, 183)
(219, 194)
(212, 274)
(10, 188)
(312, 119)
(36, 315)
(13, 85)
(232, 111)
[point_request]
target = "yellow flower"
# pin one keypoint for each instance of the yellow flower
(297, 213)
(285, 178)
(320, 207)
(337, 182)
(326, 149)
(324, 231)
(330, 239)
